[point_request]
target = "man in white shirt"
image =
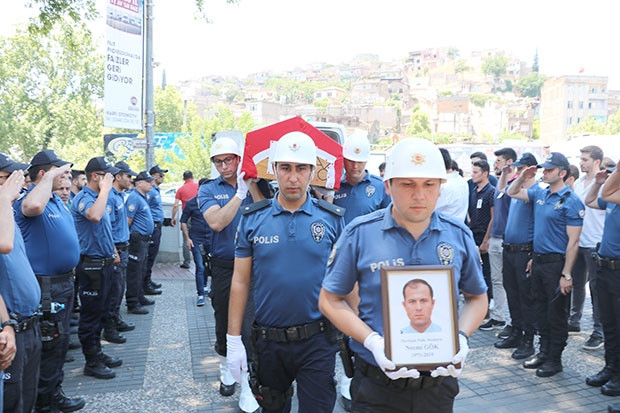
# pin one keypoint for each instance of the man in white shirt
(591, 234)
(454, 198)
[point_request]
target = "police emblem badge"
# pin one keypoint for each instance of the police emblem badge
(81, 206)
(318, 231)
(370, 190)
(445, 253)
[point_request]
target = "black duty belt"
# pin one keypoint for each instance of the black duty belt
(138, 236)
(55, 279)
(295, 333)
(122, 246)
(26, 323)
(376, 374)
(92, 260)
(157, 224)
(517, 247)
(605, 262)
(548, 258)
(229, 264)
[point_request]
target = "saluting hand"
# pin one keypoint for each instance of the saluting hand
(12, 186)
(529, 172)
(105, 184)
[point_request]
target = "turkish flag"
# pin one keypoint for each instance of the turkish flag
(259, 144)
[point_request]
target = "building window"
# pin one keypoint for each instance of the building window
(578, 120)
(580, 105)
(589, 105)
(570, 104)
(570, 121)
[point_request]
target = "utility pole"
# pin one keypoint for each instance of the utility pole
(149, 114)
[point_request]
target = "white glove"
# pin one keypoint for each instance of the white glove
(376, 345)
(242, 187)
(236, 358)
(459, 357)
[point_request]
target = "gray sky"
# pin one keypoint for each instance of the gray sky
(259, 35)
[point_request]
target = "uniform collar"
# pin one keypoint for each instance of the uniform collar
(561, 191)
(306, 208)
(389, 222)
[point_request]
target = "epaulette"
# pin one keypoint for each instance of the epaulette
(248, 209)
(334, 209)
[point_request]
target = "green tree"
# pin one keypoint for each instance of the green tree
(588, 124)
(495, 65)
(170, 110)
(49, 87)
(535, 67)
(530, 85)
(536, 128)
(460, 66)
(419, 124)
(613, 124)
(453, 52)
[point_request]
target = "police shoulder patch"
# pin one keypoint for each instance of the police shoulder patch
(81, 206)
(317, 228)
(334, 209)
(256, 206)
(131, 207)
(582, 213)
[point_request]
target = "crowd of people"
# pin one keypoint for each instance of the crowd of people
(292, 270)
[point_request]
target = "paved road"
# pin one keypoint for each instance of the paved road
(170, 366)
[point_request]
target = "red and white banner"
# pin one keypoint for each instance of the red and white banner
(123, 64)
(259, 144)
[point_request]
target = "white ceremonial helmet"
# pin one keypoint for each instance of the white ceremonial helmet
(415, 158)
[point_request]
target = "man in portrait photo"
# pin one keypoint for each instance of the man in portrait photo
(419, 304)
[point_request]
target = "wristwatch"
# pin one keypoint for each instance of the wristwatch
(10, 322)
(568, 277)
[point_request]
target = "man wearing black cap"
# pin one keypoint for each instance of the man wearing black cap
(518, 238)
(558, 215)
(46, 223)
(22, 295)
(97, 259)
(113, 322)
(154, 198)
(141, 227)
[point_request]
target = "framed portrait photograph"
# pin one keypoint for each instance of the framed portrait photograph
(420, 320)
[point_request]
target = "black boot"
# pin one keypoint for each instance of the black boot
(65, 404)
(542, 356)
(110, 333)
(97, 368)
(109, 361)
(612, 387)
(600, 378)
(44, 404)
(121, 325)
(512, 341)
(525, 349)
(549, 368)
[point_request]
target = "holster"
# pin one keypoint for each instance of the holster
(267, 398)
(94, 271)
(346, 355)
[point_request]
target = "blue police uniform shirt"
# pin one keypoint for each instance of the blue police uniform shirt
(139, 211)
(520, 222)
(376, 240)
(610, 244)
(198, 231)
(154, 199)
(289, 252)
(553, 212)
(501, 207)
(95, 237)
(219, 192)
(18, 284)
(361, 199)
(51, 239)
(118, 216)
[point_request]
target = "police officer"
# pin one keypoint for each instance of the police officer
(360, 192)
(141, 227)
(96, 267)
(219, 202)
(154, 198)
(608, 286)
(517, 252)
(46, 223)
(113, 322)
(198, 240)
(290, 234)
(22, 295)
(558, 217)
(408, 232)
